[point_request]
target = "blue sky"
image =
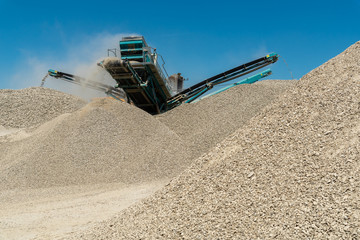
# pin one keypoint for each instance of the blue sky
(197, 38)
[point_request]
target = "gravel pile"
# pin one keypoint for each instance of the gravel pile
(205, 123)
(105, 141)
(108, 141)
(34, 106)
(293, 173)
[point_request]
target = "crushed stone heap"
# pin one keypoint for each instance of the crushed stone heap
(292, 173)
(204, 124)
(33, 106)
(109, 141)
(106, 141)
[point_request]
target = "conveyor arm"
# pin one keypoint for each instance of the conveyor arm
(248, 80)
(109, 90)
(197, 90)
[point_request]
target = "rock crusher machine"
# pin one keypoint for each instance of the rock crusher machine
(141, 77)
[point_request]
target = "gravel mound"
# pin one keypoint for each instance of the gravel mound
(105, 141)
(293, 173)
(34, 106)
(204, 124)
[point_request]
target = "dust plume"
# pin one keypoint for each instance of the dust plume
(80, 59)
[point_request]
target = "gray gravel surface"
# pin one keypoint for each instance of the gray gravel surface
(105, 141)
(292, 173)
(33, 106)
(205, 123)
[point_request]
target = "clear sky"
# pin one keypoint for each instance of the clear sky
(197, 38)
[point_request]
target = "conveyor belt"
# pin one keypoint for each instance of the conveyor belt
(109, 90)
(200, 88)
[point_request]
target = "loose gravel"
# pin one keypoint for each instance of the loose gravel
(34, 106)
(204, 124)
(106, 141)
(109, 141)
(54, 142)
(292, 173)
